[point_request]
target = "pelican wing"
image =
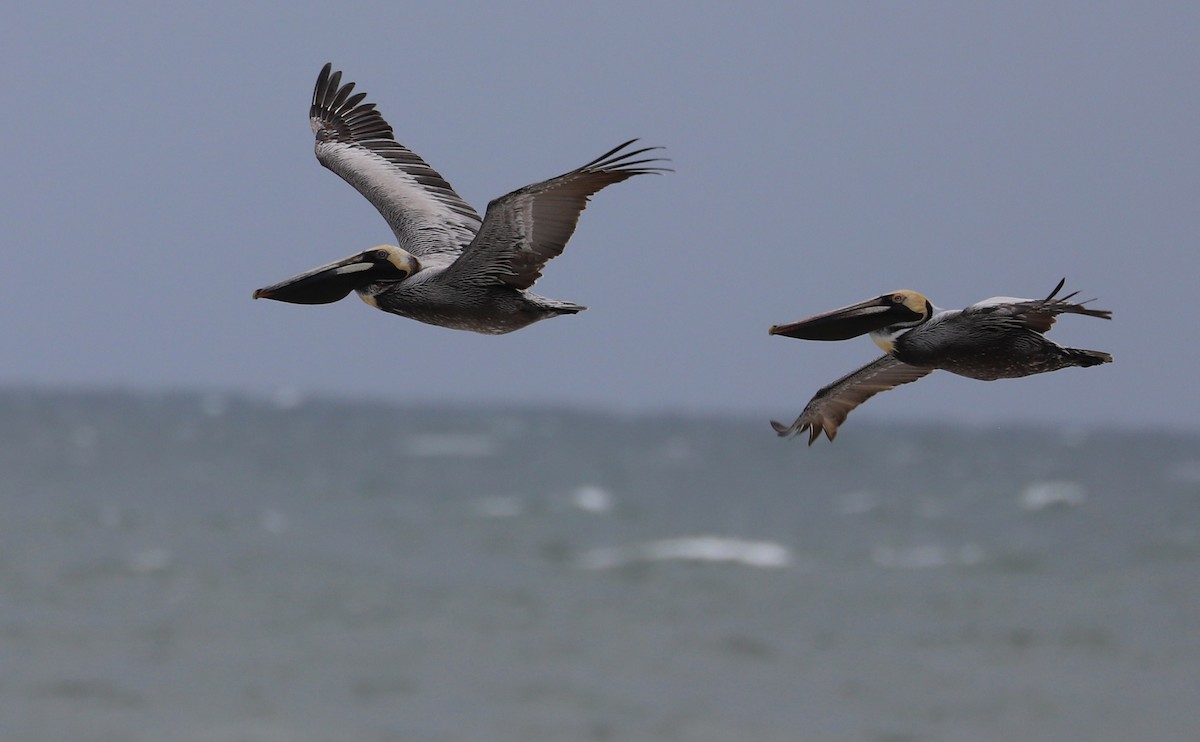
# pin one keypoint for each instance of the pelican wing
(829, 407)
(524, 229)
(1034, 314)
(354, 141)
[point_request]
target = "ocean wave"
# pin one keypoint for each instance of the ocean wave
(710, 549)
(591, 498)
(1042, 495)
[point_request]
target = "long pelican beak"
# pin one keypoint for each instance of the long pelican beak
(849, 322)
(334, 281)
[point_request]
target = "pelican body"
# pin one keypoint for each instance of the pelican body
(998, 338)
(451, 267)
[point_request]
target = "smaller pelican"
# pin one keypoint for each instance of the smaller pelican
(450, 268)
(998, 338)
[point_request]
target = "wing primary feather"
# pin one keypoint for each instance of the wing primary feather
(1037, 315)
(524, 229)
(830, 406)
(610, 153)
(355, 141)
(1063, 305)
(610, 160)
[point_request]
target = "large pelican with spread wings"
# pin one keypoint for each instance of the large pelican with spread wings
(451, 268)
(998, 338)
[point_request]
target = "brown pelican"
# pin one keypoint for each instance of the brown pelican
(998, 338)
(451, 268)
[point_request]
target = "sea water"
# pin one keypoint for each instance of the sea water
(208, 567)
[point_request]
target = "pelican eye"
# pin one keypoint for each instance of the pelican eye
(897, 298)
(380, 254)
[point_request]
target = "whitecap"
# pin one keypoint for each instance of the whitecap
(592, 499)
(1050, 493)
(710, 549)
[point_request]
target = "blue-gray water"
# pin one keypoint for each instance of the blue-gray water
(192, 567)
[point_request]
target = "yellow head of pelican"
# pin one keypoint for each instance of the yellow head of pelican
(885, 317)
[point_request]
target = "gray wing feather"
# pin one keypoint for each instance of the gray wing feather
(1037, 315)
(829, 407)
(354, 141)
(524, 229)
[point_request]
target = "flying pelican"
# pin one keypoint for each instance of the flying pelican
(451, 268)
(998, 338)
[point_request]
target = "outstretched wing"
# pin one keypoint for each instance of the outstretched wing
(526, 228)
(1034, 314)
(829, 407)
(354, 141)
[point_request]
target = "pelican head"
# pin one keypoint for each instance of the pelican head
(329, 283)
(884, 317)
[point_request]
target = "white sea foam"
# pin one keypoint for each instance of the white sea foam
(1042, 495)
(592, 499)
(715, 549)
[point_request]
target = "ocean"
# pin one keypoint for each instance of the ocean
(222, 568)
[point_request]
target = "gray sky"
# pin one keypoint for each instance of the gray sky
(158, 167)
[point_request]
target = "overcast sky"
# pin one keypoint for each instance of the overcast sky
(158, 167)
